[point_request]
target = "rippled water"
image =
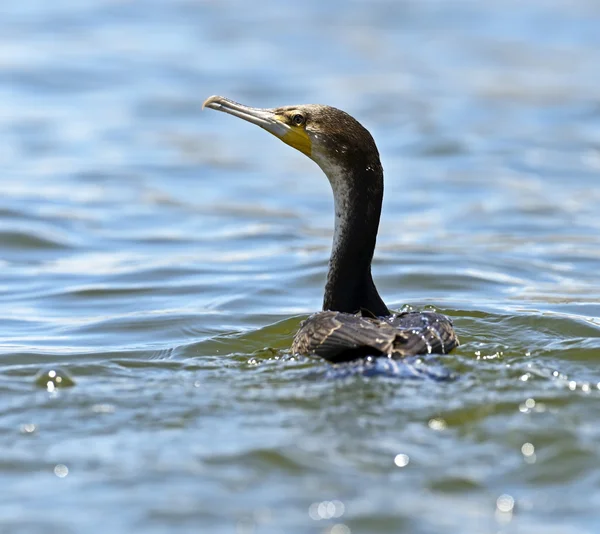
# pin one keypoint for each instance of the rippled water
(162, 258)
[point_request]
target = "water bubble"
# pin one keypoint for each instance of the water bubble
(28, 428)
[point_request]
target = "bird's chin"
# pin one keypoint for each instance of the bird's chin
(299, 139)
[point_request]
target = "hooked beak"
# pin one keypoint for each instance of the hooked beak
(267, 119)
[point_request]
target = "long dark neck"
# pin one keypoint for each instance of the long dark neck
(358, 194)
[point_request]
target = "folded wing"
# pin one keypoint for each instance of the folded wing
(340, 337)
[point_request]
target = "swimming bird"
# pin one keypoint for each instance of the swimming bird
(355, 322)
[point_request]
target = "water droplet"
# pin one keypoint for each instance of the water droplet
(437, 424)
(505, 503)
(28, 428)
(527, 449)
(401, 460)
(61, 470)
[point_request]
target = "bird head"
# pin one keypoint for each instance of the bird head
(327, 135)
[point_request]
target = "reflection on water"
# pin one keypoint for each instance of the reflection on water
(159, 259)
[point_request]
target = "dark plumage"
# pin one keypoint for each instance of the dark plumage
(340, 337)
(356, 322)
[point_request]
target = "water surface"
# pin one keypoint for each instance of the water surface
(162, 257)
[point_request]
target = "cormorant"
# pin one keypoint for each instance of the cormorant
(355, 322)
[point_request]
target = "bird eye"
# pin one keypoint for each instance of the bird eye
(298, 119)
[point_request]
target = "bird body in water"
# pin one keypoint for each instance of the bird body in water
(355, 322)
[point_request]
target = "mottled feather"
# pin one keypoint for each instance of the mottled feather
(340, 337)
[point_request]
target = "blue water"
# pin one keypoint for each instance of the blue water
(161, 257)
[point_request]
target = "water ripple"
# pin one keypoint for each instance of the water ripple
(162, 259)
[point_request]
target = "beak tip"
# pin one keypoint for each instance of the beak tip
(212, 102)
